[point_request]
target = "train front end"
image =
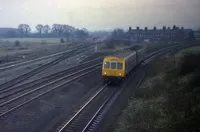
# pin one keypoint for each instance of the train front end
(113, 69)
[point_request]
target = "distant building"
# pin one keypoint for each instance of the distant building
(197, 34)
(165, 34)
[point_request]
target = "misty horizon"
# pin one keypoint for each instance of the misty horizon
(101, 14)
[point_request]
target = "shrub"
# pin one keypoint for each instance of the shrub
(17, 43)
(62, 40)
(167, 102)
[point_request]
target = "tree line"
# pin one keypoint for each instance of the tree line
(56, 30)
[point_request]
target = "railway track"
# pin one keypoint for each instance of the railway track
(41, 68)
(4, 90)
(49, 78)
(22, 99)
(90, 115)
(10, 65)
(85, 113)
(12, 99)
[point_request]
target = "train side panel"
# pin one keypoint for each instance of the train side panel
(116, 68)
(130, 62)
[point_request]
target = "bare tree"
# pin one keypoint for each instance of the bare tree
(46, 29)
(164, 27)
(174, 27)
(21, 29)
(40, 27)
(67, 30)
(118, 32)
(58, 28)
(182, 28)
(27, 29)
(81, 33)
(62, 29)
(24, 29)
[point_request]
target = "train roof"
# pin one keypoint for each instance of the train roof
(123, 54)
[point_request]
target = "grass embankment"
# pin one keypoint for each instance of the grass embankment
(170, 100)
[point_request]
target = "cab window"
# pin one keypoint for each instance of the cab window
(113, 65)
(107, 65)
(119, 65)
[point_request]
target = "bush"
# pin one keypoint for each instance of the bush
(17, 43)
(62, 40)
(169, 101)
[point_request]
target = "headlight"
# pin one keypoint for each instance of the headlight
(105, 73)
(120, 74)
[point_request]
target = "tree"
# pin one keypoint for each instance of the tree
(24, 29)
(164, 27)
(174, 27)
(21, 29)
(58, 28)
(154, 28)
(145, 28)
(182, 28)
(67, 30)
(63, 29)
(46, 29)
(81, 33)
(117, 36)
(27, 29)
(168, 28)
(40, 27)
(118, 33)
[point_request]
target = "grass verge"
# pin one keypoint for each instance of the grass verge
(170, 99)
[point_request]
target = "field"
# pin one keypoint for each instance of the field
(31, 40)
(29, 47)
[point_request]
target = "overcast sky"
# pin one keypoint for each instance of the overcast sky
(101, 14)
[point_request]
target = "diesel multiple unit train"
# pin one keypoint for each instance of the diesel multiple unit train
(115, 68)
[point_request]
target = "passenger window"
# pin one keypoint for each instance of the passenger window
(113, 65)
(119, 65)
(107, 65)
